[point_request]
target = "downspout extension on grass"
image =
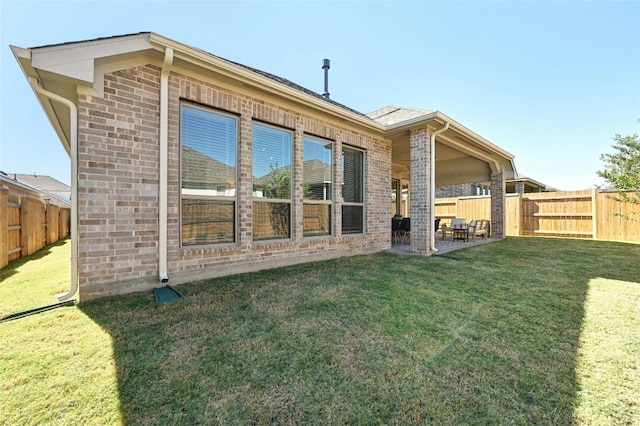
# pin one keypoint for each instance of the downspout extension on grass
(164, 152)
(73, 145)
(433, 186)
(37, 310)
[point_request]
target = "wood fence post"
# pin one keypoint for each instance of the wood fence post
(594, 212)
(24, 226)
(520, 214)
(4, 227)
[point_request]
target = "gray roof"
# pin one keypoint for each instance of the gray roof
(41, 183)
(393, 114)
(254, 70)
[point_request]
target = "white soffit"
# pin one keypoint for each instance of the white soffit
(76, 60)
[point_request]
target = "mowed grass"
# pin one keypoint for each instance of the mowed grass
(522, 331)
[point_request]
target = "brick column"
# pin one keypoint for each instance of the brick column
(337, 185)
(297, 189)
(245, 179)
(420, 192)
(498, 205)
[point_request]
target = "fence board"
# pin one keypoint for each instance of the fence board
(611, 224)
(583, 214)
(27, 225)
(4, 227)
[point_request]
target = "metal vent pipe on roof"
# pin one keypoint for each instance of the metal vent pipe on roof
(326, 64)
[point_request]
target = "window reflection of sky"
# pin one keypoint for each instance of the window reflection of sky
(213, 135)
(315, 149)
(271, 149)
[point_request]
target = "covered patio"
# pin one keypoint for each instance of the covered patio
(443, 247)
(430, 149)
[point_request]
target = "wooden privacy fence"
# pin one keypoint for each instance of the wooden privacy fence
(27, 225)
(581, 214)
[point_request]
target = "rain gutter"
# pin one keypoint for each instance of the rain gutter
(432, 196)
(73, 144)
(164, 153)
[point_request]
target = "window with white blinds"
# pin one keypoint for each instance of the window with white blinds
(317, 186)
(271, 182)
(208, 170)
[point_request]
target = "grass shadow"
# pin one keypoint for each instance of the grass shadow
(367, 339)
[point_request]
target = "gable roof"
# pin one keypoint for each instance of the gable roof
(79, 67)
(68, 68)
(257, 71)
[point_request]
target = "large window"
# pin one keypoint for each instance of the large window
(208, 176)
(352, 191)
(317, 187)
(271, 182)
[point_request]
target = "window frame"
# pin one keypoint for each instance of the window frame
(194, 194)
(363, 180)
(327, 202)
(264, 199)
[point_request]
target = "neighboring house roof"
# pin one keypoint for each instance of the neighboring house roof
(313, 171)
(44, 186)
(199, 167)
(7, 181)
(43, 183)
(531, 183)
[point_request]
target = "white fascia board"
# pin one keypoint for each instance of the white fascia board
(412, 123)
(476, 137)
(441, 118)
(248, 77)
(76, 60)
(23, 56)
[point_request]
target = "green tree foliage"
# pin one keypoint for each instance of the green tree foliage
(278, 182)
(622, 170)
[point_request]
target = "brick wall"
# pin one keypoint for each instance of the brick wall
(118, 186)
(498, 205)
(420, 204)
(118, 178)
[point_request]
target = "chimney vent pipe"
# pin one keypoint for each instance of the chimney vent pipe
(326, 64)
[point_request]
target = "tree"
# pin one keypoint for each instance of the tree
(622, 171)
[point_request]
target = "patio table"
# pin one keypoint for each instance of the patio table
(458, 232)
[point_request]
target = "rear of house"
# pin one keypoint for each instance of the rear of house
(188, 166)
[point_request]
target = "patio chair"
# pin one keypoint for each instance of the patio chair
(479, 227)
(405, 229)
(395, 229)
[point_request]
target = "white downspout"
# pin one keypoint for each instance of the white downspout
(433, 186)
(164, 153)
(73, 145)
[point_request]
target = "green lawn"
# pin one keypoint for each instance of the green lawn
(522, 331)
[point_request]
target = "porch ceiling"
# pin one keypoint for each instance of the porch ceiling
(453, 166)
(461, 156)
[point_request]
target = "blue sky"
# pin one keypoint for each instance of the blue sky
(551, 82)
